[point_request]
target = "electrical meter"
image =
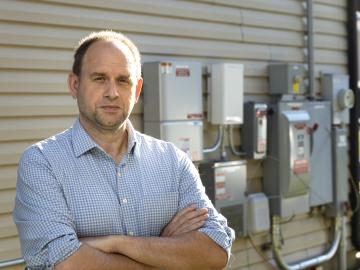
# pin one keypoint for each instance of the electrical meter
(335, 88)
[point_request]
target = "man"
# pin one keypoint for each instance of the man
(101, 195)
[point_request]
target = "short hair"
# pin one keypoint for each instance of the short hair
(106, 35)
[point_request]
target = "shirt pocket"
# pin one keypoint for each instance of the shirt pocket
(159, 209)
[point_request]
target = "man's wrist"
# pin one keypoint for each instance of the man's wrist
(117, 244)
(111, 244)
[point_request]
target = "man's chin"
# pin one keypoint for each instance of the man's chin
(111, 125)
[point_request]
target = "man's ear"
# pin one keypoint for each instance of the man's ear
(73, 84)
(138, 88)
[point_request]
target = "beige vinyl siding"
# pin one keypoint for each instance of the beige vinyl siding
(36, 54)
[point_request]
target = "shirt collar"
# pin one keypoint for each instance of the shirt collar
(82, 142)
(132, 137)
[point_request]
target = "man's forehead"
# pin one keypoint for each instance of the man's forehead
(113, 53)
(111, 47)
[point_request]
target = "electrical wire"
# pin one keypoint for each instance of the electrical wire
(357, 195)
(260, 253)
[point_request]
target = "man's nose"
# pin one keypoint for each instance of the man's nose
(111, 90)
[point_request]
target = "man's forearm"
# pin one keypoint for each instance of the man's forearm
(193, 250)
(89, 258)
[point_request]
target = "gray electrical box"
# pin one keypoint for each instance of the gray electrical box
(340, 171)
(225, 184)
(186, 135)
(320, 134)
(173, 104)
(287, 79)
(254, 130)
(172, 91)
(335, 88)
(287, 166)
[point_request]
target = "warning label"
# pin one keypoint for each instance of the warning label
(301, 166)
(182, 71)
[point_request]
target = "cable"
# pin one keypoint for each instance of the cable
(260, 253)
(357, 195)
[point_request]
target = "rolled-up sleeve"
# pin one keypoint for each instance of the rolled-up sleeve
(46, 227)
(193, 191)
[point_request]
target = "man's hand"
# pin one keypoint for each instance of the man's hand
(189, 219)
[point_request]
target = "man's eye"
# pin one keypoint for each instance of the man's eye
(99, 79)
(124, 81)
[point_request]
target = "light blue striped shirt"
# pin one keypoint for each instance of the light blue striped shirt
(68, 187)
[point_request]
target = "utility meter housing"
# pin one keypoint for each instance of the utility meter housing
(335, 88)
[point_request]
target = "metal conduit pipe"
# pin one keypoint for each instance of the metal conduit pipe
(343, 246)
(276, 244)
(11, 262)
(217, 143)
(310, 46)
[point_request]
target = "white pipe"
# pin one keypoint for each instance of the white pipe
(217, 143)
(276, 245)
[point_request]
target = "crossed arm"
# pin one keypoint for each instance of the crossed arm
(180, 246)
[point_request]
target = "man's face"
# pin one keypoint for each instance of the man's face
(107, 88)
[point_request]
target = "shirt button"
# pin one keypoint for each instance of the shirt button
(131, 233)
(124, 200)
(119, 174)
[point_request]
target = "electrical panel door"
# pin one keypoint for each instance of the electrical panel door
(225, 185)
(287, 164)
(320, 157)
(172, 91)
(296, 146)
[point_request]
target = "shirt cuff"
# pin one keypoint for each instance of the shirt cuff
(59, 252)
(221, 237)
